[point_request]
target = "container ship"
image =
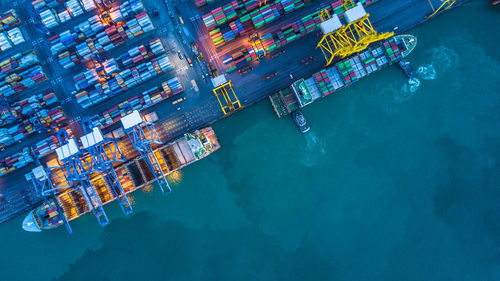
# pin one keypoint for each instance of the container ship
(345, 72)
(133, 175)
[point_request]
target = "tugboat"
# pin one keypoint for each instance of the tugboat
(44, 217)
(407, 69)
(300, 121)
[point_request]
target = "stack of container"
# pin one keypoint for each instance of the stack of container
(328, 80)
(5, 43)
(346, 71)
(16, 82)
(95, 90)
(209, 21)
(11, 38)
(23, 108)
(67, 10)
(89, 77)
(48, 18)
(94, 42)
(357, 67)
(200, 3)
(146, 99)
(88, 5)
(126, 10)
(45, 146)
(8, 20)
(24, 157)
(15, 35)
(236, 26)
(338, 8)
(140, 53)
(251, 4)
(15, 161)
(47, 118)
(268, 42)
(392, 50)
(367, 2)
(264, 15)
(17, 62)
(287, 34)
(74, 8)
(217, 38)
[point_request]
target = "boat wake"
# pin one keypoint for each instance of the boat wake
(427, 72)
(314, 150)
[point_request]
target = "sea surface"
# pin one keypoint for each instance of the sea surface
(397, 180)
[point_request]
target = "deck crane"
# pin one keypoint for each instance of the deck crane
(103, 153)
(43, 180)
(143, 135)
(344, 40)
(76, 169)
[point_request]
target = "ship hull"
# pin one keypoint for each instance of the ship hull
(30, 224)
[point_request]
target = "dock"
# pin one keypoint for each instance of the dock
(168, 45)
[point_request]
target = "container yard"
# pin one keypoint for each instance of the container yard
(147, 76)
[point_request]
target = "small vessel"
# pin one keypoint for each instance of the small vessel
(300, 121)
(44, 217)
(407, 69)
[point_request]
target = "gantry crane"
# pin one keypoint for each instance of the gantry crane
(99, 68)
(103, 153)
(103, 6)
(43, 180)
(256, 42)
(143, 135)
(344, 40)
(224, 89)
(76, 169)
(445, 4)
(348, 4)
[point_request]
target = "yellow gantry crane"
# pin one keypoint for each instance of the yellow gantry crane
(445, 4)
(348, 4)
(344, 40)
(223, 88)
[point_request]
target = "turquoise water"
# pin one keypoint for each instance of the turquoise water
(395, 182)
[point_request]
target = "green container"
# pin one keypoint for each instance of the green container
(229, 70)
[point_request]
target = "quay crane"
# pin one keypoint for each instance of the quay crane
(76, 170)
(103, 153)
(445, 5)
(143, 135)
(344, 40)
(43, 179)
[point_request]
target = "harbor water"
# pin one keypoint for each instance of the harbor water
(397, 180)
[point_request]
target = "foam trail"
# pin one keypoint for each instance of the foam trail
(427, 72)
(314, 149)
